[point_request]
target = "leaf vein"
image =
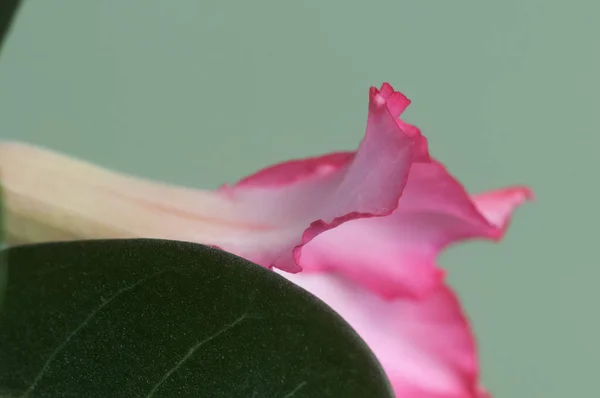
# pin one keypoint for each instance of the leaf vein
(191, 352)
(299, 387)
(81, 326)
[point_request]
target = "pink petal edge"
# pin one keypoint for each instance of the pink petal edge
(388, 208)
(332, 189)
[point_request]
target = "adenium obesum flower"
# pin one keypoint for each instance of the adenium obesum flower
(361, 230)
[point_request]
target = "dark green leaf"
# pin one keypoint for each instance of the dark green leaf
(150, 318)
(3, 268)
(8, 9)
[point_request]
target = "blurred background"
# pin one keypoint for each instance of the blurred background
(204, 92)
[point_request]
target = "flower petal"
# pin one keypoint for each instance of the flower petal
(395, 255)
(497, 206)
(295, 171)
(425, 346)
(331, 189)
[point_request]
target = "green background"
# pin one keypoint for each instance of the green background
(204, 92)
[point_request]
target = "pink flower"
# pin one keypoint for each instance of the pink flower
(364, 228)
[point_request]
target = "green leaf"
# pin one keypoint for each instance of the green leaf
(8, 9)
(153, 318)
(3, 267)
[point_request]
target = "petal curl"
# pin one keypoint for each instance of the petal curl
(425, 346)
(331, 190)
